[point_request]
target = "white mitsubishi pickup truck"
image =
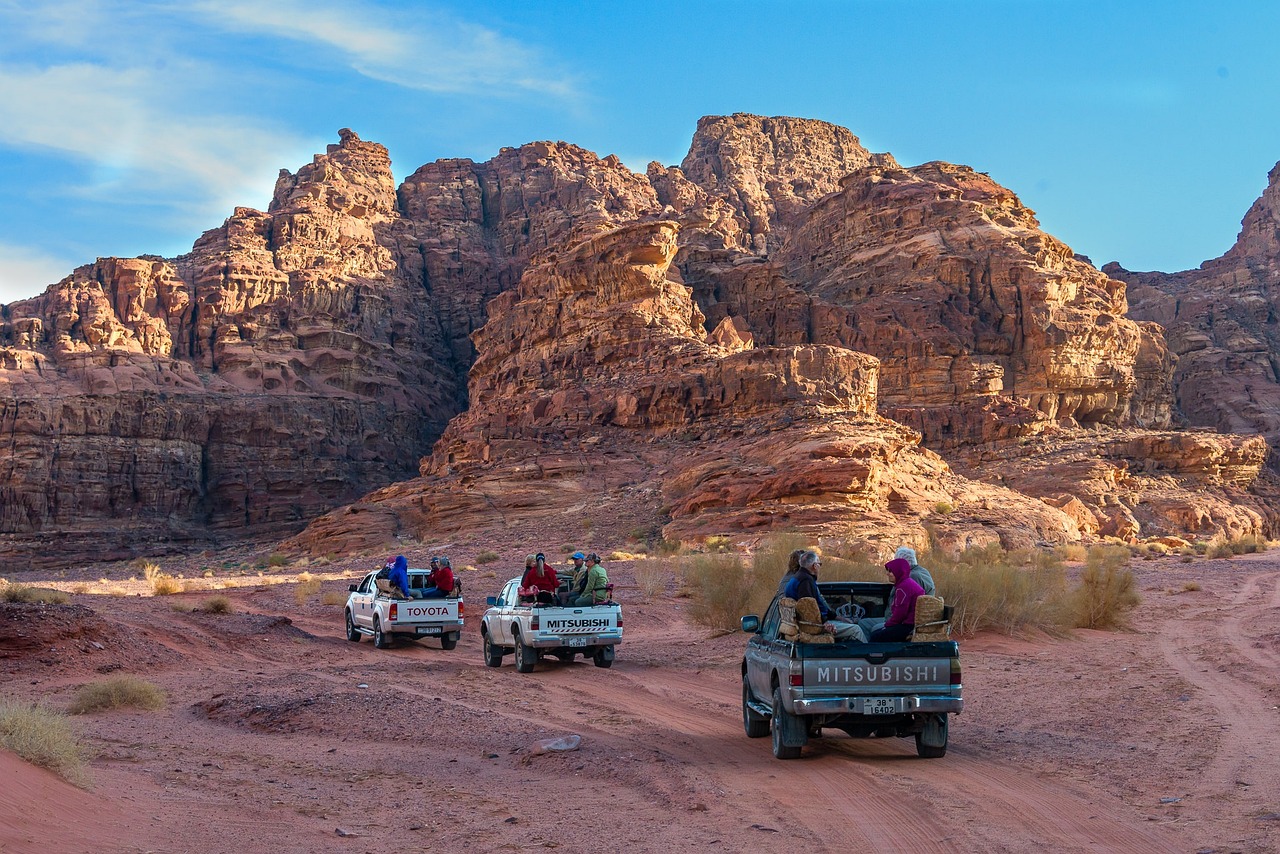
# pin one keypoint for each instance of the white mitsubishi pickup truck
(532, 630)
(370, 612)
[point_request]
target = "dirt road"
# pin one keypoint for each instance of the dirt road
(282, 736)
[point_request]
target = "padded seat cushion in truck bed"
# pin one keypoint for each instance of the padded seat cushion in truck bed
(801, 622)
(932, 623)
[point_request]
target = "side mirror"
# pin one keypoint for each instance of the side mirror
(351, 587)
(491, 600)
(751, 623)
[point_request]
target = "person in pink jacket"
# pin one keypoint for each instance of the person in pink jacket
(902, 609)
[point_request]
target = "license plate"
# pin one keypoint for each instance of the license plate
(429, 630)
(577, 641)
(879, 706)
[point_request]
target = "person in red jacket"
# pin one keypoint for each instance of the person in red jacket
(539, 581)
(441, 579)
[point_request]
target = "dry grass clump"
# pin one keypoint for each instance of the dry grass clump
(626, 555)
(333, 597)
(1008, 591)
(1191, 586)
(217, 605)
(15, 592)
(162, 583)
(307, 585)
(42, 737)
(721, 588)
(277, 559)
(116, 693)
(652, 577)
(486, 557)
(1106, 592)
(1073, 552)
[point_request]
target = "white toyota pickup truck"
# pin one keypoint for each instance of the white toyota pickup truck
(384, 616)
(533, 630)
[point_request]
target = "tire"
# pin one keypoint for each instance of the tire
(931, 742)
(603, 657)
(492, 652)
(756, 724)
(380, 639)
(786, 727)
(449, 641)
(526, 656)
(353, 634)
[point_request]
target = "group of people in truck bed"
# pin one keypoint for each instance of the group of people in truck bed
(439, 582)
(586, 584)
(910, 582)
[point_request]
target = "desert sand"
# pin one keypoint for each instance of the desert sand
(280, 735)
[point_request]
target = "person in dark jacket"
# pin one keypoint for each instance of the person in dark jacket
(805, 584)
(901, 621)
(399, 576)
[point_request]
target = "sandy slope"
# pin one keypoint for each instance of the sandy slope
(1160, 739)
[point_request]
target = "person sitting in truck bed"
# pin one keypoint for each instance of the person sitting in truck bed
(901, 621)
(539, 581)
(922, 576)
(593, 591)
(399, 576)
(793, 564)
(441, 579)
(805, 584)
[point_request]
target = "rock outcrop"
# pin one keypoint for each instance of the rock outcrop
(1220, 321)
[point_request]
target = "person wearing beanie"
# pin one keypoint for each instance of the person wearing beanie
(539, 581)
(902, 609)
(918, 572)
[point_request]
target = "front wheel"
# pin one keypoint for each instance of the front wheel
(526, 656)
(492, 652)
(756, 724)
(353, 634)
(931, 742)
(380, 639)
(788, 730)
(449, 641)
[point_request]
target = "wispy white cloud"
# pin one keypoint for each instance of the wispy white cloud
(114, 121)
(26, 272)
(422, 49)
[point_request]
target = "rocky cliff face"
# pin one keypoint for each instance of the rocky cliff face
(713, 347)
(1220, 322)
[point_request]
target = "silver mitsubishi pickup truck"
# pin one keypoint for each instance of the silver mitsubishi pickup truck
(793, 691)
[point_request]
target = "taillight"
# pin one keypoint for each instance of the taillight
(619, 619)
(797, 680)
(535, 624)
(391, 615)
(461, 605)
(955, 671)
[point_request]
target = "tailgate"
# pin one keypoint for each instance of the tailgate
(426, 611)
(847, 677)
(576, 621)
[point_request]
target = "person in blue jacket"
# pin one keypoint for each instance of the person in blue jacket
(400, 575)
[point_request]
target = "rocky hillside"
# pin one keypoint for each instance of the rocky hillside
(785, 331)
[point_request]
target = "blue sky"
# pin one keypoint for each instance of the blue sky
(1138, 132)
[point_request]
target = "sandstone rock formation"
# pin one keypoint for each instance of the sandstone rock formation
(1220, 322)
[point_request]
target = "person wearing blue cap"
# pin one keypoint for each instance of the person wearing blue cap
(579, 571)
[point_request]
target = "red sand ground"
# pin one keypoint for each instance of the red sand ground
(284, 737)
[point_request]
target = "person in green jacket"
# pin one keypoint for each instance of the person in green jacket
(593, 593)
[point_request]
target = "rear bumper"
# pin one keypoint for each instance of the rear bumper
(575, 641)
(854, 705)
(423, 629)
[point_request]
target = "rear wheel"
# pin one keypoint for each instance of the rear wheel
(931, 742)
(526, 656)
(380, 639)
(448, 641)
(756, 724)
(788, 730)
(492, 652)
(603, 657)
(353, 634)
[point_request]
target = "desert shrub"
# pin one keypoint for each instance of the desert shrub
(42, 737)
(217, 605)
(717, 545)
(1007, 591)
(943, 508)
(117, 692)
(1106, 592)
(277, 560)
(1073, 552)
(14, 592)
(1191, 586)
(333, 597)
(568, 548)
(307, 585)
(722, 588)
(486, 557)
(1219, 547)
(80, 588)
(1200, 548)
(162, 584)
(1249, 544)
(652, 577)
(624, 556)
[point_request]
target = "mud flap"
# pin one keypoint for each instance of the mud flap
(605, 653)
